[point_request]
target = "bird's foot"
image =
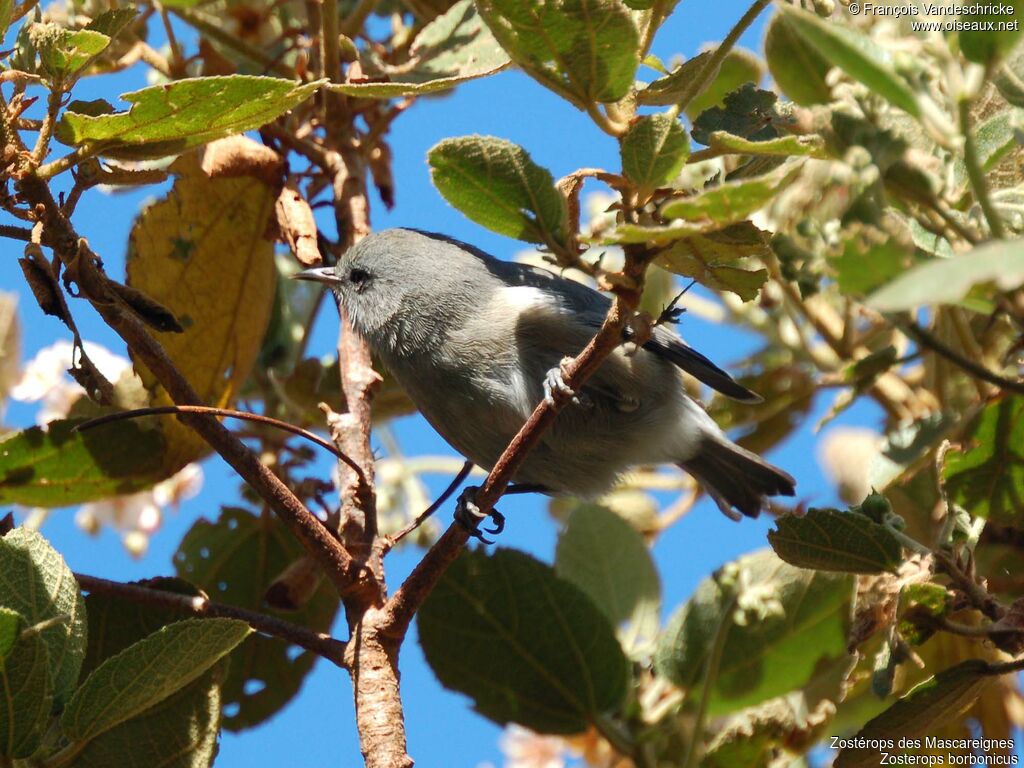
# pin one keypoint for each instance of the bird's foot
(556, 391)
(469, 516)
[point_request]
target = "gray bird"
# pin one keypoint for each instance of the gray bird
(477, 343)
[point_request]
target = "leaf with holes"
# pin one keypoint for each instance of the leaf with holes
(986, 476)
(584, 48)
(561, 666)
(760, 628)
(654, 151)
(830, 540)
(37, 583)
(26, 687)
(148, 672)
(607, 558)
(57, 467)
(202, 252)
(172, 118)
(495, 183)
(235, 560)
(739, 68)
(453, 48)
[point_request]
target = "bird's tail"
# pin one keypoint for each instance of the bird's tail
(736, 478)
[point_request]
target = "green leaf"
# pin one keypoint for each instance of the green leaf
(57, 466)
(6, 14)
(984, 45)
(181, 730)
(560, 664)
(586, 49)
(36, 582)
(654, 151)
(495, 183)
(739, 67)
(797, 67)
(116, 623)
(9, 630)
(235, 560)
(784, 146)
(987, 478)
(62, 51)
(607, 558)
(172, 118)
(921, 604)
(714, 260)
(855, 53)
(674, 86)
(747, 112)
(147, 672)
(656, 234)
(453, 48)
(1008, 77)
(947, 281)
(926, 707)
(26, 688)
(768, 625)
(859, 272)
(111, 23)
(830, 540)
(732, 201)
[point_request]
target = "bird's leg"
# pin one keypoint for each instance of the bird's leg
(556, 391)
(526, 488)
(469, 516)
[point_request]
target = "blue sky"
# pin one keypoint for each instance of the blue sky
(318, 728)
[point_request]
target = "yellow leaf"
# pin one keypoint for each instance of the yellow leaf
(201, 251)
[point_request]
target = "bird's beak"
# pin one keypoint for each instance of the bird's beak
(319, 275)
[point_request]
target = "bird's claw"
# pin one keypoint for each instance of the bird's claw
(469, 516)
(556, 391)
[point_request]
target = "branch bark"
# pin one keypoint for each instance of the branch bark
(323, 645)
(73, 252)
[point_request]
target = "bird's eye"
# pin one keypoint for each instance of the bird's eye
(358, 277)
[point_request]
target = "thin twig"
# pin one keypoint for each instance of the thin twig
(323, 645)
(926, 339)
(422, 517)
(227, 413)
(703, 78)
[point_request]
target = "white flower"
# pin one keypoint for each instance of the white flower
(45, 378)
(139, 515)
(525, 749)
(846, 455)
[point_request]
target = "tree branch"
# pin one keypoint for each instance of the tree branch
(339, 566)
(926, 339)
(323, 645)
(229, 413)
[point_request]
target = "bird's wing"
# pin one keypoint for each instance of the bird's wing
(590, 307)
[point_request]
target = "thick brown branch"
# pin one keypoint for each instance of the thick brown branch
(320, 644)
(315, 537)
